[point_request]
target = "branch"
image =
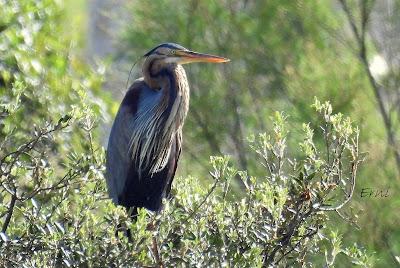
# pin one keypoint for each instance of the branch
(203, 201)
(285, 240)
(354, 166)
(156, 253)
(308, 235)
(9, 213)
(349, 195)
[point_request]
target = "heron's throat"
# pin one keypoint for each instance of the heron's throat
(171, 79)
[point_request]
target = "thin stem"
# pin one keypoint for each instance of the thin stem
(9, 213)
(156, 252)
(202, 202)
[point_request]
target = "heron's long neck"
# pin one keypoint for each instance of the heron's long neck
(171, 79)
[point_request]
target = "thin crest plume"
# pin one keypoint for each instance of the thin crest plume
(130, 72)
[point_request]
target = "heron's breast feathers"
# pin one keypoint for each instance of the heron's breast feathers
(153, 133)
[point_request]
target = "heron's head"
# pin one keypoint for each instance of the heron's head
(174, 53)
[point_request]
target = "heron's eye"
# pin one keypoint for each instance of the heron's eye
(173, 52)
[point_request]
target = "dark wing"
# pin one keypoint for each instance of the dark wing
(175, 160)
(126, 186)
(146, 189)
(118, 159)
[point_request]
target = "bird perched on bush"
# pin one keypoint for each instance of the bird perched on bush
(146, 136)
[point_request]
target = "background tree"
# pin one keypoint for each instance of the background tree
(283, 54)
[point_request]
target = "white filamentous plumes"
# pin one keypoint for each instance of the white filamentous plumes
(153, 136)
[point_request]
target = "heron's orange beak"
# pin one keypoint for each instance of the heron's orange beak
(190, 56)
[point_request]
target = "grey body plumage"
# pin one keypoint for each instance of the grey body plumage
(146, 137)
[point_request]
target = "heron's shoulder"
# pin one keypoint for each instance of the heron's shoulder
(137, 85)
(138, 92)
(133, 94)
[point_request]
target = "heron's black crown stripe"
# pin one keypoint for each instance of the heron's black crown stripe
(167, 45)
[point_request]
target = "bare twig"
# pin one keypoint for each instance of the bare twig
(349, 195)
(348, 219)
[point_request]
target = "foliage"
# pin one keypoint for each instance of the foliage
(270, 44)
(49, 106)
(54, 210)
(283, 53)
(280, 220)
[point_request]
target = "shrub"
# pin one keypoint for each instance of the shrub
(54, 209)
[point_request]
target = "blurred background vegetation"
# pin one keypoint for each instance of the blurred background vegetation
(67, 63)
(283, 54)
